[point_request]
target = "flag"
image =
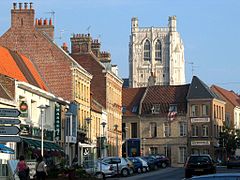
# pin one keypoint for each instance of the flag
(172, 112)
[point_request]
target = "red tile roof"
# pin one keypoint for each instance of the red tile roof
(164, 96)
(231, 96)
(131, 98)
(19, 67)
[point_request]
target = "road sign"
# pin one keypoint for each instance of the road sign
(9, 130)
(10, 139)
(6, 112)
(9, 121)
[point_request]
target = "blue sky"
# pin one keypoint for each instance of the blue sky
(209, 29)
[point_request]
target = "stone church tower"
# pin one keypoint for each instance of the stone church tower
(158, 51)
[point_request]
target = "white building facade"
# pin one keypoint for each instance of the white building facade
(156, 51)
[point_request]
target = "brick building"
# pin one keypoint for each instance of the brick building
(64, 77)
(106, 86)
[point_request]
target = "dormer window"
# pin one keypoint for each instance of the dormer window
(156, 109)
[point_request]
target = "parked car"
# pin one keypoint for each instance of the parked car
(137, 164)
(199, 164)
(120, 165)
(162, 160)
(100, 170)
(130, 165)
(233, 161)
(152, 162)
(218, 176)
(145, 167)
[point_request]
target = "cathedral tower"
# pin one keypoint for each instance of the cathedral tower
(158, 51)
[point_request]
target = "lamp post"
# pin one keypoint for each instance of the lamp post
(126, 148)
(42, 108)
(116, 127)
(144, 141)
(103, 135)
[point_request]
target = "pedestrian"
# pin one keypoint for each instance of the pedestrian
(41, 171)
(22, 169)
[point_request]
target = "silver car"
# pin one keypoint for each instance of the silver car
(119, 163)
(101, 170)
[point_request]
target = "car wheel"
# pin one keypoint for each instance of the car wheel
(100, 175)
(125, 172)
(139, 170)
(144, 169)
(187, 175)
(131, 171)
(164, 165)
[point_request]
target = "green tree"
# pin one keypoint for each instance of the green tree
(228, 140)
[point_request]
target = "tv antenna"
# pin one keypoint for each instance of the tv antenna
(192, 66)
(52, 15)
(88, 29)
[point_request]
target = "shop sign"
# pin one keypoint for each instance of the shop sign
(200, 120)
(58, 122)
(200, 143)
(32, 168)
(23, 109)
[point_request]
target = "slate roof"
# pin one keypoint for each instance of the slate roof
(165, 96)
(131, 98)
(199, 90)
(231, 96)
(19, 67)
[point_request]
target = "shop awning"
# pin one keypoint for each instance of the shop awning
(46, 145)
(5, 149)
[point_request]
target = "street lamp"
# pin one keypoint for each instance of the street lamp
(126, 148)
(116, 127)
(103, 125)
(42, 108)
(88, 120)
(144, 141)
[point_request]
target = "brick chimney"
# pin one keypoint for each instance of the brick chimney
(81, 43)
(105, 57)
(45, 26)
(22, 17)
(96, 47)
(65, 47)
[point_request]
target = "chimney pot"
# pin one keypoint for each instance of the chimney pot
(36, 21)
(20, 6)
(30, 5)
(40, 22)
(14, 5)
(45, 22)
(50, 21)
(25, 5)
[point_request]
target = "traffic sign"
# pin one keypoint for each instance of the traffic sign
(9, 130)
(10, 139)
(9, 121)
(6, 112)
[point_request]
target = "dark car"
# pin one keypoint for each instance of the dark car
(162, 160)
(152, 162)
(233, 161)
(138, 167)
(199, 165)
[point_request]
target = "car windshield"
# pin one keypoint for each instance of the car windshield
(196, 159)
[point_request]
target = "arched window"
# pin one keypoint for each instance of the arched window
(147, 51)
(158, 51)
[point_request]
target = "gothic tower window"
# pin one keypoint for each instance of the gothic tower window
(147, 51)
(158, 51)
